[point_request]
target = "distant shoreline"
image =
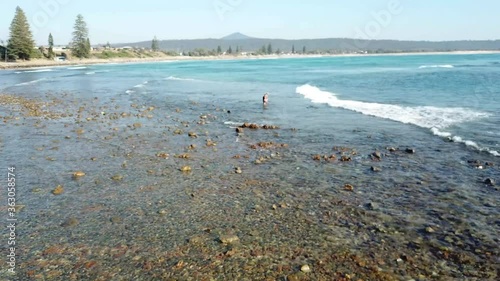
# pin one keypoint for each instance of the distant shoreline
(49, 63)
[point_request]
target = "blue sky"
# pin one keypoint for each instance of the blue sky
(132, 21)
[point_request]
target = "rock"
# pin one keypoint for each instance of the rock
(317, 157)
(372, 206)
(239, 130)
(392, 149)
(78, 174)
(305, 268)
(345, 158)
(410, 150)
(429, 229)
(116, 219)
(117, 177)
(186, 169)
(178, 132)
(210, 143)
(229, 239)
(183, 156)
(137, 125)
(58, 190)
(192, 135)
(348, 187)
(163, 211)
(163, 155)
(375, 169)
(377, 155)
(237, 170)
(489, 181)
(70, 222)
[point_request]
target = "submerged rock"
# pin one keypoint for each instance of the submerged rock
(410, 151)
(70, 222)
(229, 239)
(58, 190)
(305, 268)
(489, 181)
(78, 174)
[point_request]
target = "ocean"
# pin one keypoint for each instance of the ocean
(419, 135)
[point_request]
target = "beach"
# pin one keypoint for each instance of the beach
(49, 63)
(177, 171)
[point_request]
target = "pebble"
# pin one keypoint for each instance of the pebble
(410, 150)
(229, 239)
(58, 190)
(429, 229)
(117, 177)
(372, 206)
(70, 222)
(78, 174)
(305, 268)
(237, 170)
(489, 181)
(375, 169)
(186, 169)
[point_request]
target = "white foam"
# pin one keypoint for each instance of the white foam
(179, 79)
(129, 92)
(430, 117)
(30, 82)
(90, 73)
(38, 70)
(77, 67)
(422, 116)
(437, 66)
(141, 85)
(468, 143)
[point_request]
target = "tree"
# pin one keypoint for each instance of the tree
(51, 47)
(263, 49)
(237, 49)
(269, 49)
(230, 50)
(304, 49)
(88, 46)
(154, 45)
(80, 46)
(293, 49)
(21, 43)
(219, 50)
(108, 46)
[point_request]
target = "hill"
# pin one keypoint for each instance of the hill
(330, 45)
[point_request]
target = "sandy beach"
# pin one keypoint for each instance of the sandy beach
(50, 63)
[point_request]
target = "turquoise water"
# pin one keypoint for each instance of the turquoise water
(455, 96)
(444, 107)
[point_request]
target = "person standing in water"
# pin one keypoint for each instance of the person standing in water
(265, 99)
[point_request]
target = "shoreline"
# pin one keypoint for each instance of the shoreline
(49, 63)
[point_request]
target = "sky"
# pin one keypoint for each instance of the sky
(132, 21)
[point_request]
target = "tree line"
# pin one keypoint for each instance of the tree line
(21, 46)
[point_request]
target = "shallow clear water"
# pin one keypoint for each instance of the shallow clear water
(445, 107)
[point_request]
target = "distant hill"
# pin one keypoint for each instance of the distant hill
(332, 45)
(236, 36)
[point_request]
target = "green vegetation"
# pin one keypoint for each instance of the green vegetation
(80, 47)
(154, 45)
(21, 44)
(111, 54)
(51, 53)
